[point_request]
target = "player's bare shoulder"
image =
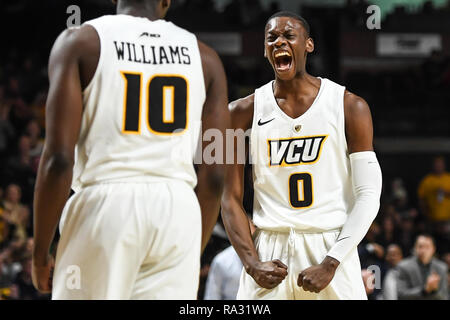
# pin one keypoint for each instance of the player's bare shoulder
(355, 106)
(80, 45)
(81, 40)
(358, 123)
(242, 111)
(211, 63)
(208, 54)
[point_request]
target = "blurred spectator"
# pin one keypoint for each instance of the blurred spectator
(398, 190)
(38, 108)
(389, 233)
(218, 242)
(14, 212)
(434, 195)
(225, 273)
(434, 192)
(446, 258)
(389, 287)
(389, 210)
(23, 282)
(36, 143)
(422, 276)
(407, 233)
(28, 247)
(7, 131)
(8, 268)
(370, 252)
(371, 255)
(399, 198)
(22, 168)
(3, 222)
(5, 230)
(21, 113)
(15, 271)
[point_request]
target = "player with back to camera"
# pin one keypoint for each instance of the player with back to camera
(317, 181)
(127, 94)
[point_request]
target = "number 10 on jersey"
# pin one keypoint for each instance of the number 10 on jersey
(166, 101)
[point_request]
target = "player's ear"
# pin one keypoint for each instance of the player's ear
(309, 45)
(165, 4)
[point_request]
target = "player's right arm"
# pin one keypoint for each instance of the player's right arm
(72, 64)
(267, 274)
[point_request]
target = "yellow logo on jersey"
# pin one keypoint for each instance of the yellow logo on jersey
(295, 151)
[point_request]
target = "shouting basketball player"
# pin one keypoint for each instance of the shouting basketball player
(317, 181)
(127, 93)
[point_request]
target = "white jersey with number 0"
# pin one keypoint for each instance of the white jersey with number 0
(143, 107)
(301, 168)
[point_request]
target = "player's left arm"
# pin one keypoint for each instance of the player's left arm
(367, 182)
(63, 120)
(215, 116)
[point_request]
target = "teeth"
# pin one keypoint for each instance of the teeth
(281, 54)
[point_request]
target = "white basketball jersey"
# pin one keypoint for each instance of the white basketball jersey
(143, 107)
(301, 167)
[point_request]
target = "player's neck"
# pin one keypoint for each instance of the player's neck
(299, 85)
(138, 11)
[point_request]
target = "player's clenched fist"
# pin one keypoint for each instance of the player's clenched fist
(268, 274)
(316, 278)
(42, 273)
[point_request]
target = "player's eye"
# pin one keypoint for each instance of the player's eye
(271, 38)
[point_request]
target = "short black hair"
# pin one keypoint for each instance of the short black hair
(292, 15)
(426, 235)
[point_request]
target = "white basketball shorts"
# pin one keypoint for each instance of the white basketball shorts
(299, 251)
(129, 241)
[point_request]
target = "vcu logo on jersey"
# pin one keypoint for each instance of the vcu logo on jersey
(295, 151)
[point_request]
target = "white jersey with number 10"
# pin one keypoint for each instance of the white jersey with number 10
(142, 109)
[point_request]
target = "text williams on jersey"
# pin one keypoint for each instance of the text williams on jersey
(147, 54)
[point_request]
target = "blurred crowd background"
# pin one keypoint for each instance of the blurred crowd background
(408, 95)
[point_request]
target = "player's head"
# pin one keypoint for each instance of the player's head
(157, 8)
(287, 42)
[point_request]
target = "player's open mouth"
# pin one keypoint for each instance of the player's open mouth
(283, 60)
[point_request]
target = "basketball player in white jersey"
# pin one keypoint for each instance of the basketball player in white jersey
(127, 94)
(317, 181)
